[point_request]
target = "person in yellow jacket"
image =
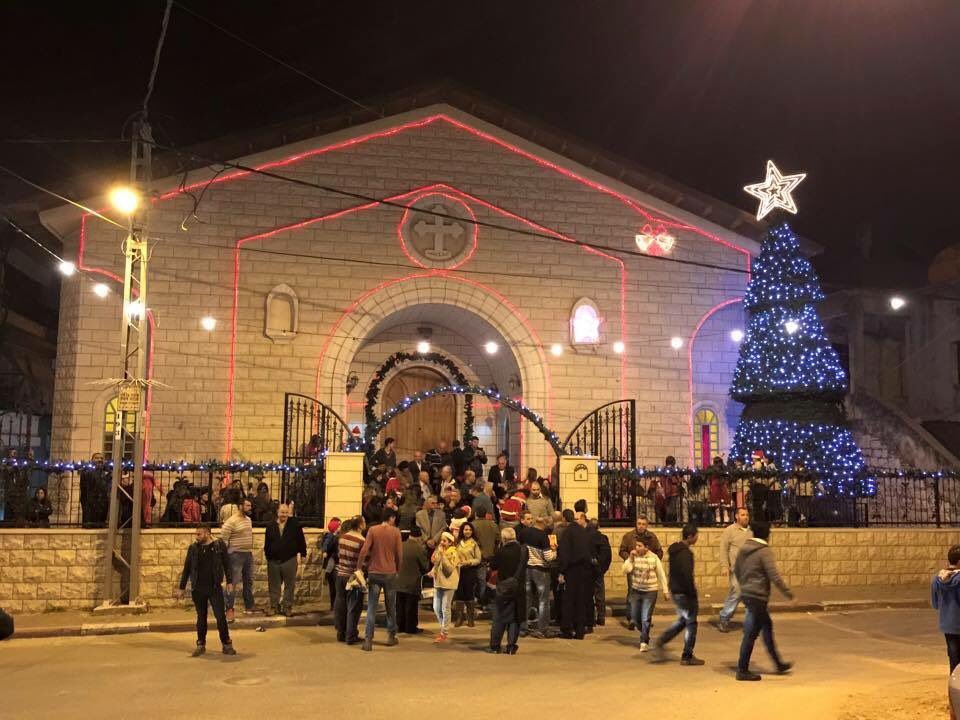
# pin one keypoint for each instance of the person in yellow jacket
(446, 578)
(465, 598)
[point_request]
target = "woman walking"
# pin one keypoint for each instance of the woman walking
(465, 597)
(446, 578)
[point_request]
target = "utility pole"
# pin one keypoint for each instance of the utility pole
(122, 552)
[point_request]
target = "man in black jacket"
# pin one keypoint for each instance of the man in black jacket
(206, 567)
(283, 541)
(602, 557)
(575, 563)
(683, 589)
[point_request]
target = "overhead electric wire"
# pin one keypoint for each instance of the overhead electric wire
(32, 239)
(156, 57)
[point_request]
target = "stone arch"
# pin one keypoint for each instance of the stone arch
(347, 334)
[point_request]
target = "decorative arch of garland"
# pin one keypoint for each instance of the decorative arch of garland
(399, 358)
(377, 425)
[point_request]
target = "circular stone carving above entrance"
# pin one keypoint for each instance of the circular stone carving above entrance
(432, 241)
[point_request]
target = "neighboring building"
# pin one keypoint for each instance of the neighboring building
(313, 291)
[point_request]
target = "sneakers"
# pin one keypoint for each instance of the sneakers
(784, 667)
(367, 645)
(657, 653)
(747, 676)
(723, 625)
(493, 650)
(228, 650)
(644, 647)
(692, 660)
(231, 616)
(198, 651)
(250, 612)
(631, 626)
(392, 640)
(440, 638)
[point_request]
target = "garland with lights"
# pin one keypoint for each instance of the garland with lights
(399, 358)
(733, 474)
(374, 428)
(789, 376)
(214, 466)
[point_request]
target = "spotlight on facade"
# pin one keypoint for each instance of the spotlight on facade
(67, 268)
(491, 348)
(676, 343)
(101, 290)
(736, 335)
(208, 323)
(619, 347)
(556, 349)
(791, 326)
(897, 302)
(124, 199)
(423, 347)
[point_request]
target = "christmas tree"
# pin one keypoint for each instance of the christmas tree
(789, 376)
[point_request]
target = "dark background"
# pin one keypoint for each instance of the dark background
(861, 94)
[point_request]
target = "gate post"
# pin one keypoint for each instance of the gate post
(579, 479)
(343, 485)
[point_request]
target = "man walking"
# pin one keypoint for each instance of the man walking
(206, 566)
(574, 561)
(383, 549)
(646, 579)
(346, 607)
(684, 592)
(756, 569)
(945, 597)
(640, 534)
(283, 541)
(237, 534)
(732, 540)
(540, 557)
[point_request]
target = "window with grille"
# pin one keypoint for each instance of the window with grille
(109, 425)
(706, 436)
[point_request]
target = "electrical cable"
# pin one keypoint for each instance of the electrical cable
(156, 57)
(32, 239)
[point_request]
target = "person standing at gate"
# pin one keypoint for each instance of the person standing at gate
(684, 592)
(386, 455)
(206, 566)
(382, 551)
(756, 569)
(283, 542)
(732, 540)
(575, 564)
(945, 598)
(237, 534)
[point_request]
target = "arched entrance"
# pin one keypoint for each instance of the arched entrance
(426, 423)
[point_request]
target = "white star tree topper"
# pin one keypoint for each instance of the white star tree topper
(774, 191)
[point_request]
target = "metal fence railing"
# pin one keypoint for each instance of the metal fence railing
(892, 498)
(175, 494)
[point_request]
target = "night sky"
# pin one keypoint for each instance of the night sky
(863, 95)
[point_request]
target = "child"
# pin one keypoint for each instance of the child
(945, 597)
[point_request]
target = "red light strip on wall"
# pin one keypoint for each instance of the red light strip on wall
(703, 320)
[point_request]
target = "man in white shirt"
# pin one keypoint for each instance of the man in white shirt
(731, 540)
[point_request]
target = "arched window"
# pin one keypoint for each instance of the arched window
(706, 437)
(585, 323)
(110, 424)
(282, 314)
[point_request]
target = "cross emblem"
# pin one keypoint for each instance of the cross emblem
(439, 230)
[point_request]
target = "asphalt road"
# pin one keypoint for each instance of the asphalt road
(849, 666)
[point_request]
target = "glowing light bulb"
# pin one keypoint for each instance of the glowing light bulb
(491, 348)
(124, 199)
(133, 309)
(791, 326)
(423, 347)
(556, 350)
(897, 302)
(67, 268)
(676, 342)
(736, 335)
(101, 290)
(619, 347)
(208, 323)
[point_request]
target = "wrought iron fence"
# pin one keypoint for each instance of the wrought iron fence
(902, 499)
(607, 432)
(174, 495)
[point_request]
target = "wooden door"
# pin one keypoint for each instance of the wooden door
(425, 424)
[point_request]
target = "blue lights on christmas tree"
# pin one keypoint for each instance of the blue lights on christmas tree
(789, 376)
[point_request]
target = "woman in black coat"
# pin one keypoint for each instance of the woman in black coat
(39, 509)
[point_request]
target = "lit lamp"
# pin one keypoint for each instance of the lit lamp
(124, 199)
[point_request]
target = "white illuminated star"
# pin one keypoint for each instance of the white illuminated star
(774, 191)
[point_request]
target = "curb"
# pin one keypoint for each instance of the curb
(325, 618)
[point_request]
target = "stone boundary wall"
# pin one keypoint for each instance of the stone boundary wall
(44, 570)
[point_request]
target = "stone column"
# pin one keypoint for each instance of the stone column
(344, 485)
(855, 345)
(579, 479)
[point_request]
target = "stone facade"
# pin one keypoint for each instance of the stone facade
(354, 280)
(42, 570)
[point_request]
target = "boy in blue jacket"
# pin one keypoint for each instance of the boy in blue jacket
(945, 597)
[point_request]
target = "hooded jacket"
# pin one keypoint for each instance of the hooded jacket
(945, 597)
(681, 570)
(755, 569)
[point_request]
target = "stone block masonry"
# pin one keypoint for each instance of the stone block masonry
(47, 570)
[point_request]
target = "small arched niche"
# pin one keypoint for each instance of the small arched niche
(282, 314)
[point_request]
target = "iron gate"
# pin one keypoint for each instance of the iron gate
(608, 433)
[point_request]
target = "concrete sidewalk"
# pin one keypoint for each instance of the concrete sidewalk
(183, 619)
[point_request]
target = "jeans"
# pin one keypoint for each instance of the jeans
(757, 621)
(953, 650)
(687, 608)
(346, 610)
(442, 598)
(408, 612)
(504, 618)
(538, 581)
(241, 566)
(732, 601)
(282, 573)
(375, 583)
(642, 603)
(214, 598)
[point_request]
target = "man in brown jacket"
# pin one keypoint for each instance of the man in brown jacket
(383, 548)
(650, 541)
